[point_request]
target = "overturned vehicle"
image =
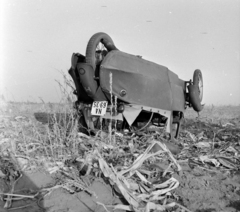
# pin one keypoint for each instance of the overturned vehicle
(114, 85)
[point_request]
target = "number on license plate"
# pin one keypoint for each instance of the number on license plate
(99, 108)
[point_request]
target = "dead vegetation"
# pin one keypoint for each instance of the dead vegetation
(136, 171)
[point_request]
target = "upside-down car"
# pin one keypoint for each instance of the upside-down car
(112, 84)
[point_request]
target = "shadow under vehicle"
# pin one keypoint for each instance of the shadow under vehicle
(111, 84)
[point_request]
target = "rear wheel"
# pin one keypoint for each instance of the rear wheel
(198, 81)
(196, 91)
(98, 47)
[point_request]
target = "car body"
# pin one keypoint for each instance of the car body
(139, 90)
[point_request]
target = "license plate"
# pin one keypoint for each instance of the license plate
(99, 108)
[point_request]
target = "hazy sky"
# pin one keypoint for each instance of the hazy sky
(38, 38)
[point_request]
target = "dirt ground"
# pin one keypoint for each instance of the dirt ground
(209, 157)
(60, 199)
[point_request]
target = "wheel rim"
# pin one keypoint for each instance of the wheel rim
(100, 52)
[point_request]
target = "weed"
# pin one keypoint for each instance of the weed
(111, 107)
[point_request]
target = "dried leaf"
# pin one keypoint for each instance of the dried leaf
(228, 124)
(205, 158)
(227, 163)
(147, 154)
(157, 207)
(123, 207)
(107, 171)
(203, 144)
(83, 135)
(193, 137)
(142, 178)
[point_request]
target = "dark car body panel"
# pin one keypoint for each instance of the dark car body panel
(146, 83)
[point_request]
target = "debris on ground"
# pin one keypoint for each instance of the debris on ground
(46, 170)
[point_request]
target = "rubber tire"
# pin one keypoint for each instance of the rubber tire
(194, 94)
(92, 44)
(196, 75)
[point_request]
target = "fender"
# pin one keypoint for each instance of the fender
(90, 85)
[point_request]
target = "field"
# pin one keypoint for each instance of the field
(53, 167)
